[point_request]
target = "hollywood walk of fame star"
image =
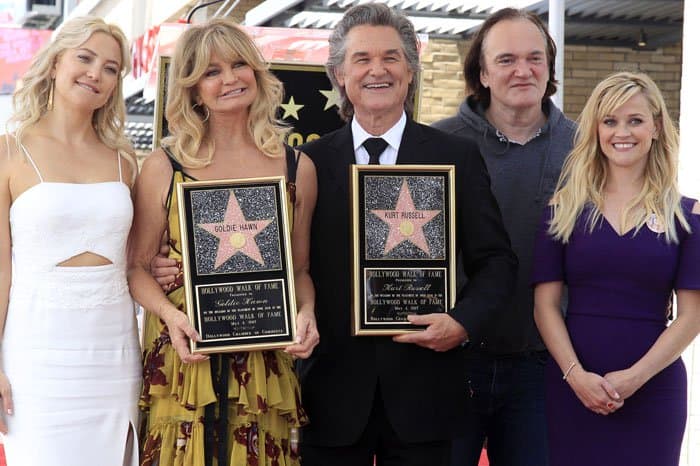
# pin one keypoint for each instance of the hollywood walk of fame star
(236, 233)
(291, 108)
(405, 222)
(332, 98)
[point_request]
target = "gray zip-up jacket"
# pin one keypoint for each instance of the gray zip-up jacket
(523, 179)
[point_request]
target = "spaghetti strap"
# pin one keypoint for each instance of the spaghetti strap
(177, 166)
(119, 163)
(292, 157)
(29, 157)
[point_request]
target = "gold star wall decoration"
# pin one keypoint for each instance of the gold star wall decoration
(332, 98)
(291, 109)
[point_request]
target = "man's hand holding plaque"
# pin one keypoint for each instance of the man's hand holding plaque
(442, 332)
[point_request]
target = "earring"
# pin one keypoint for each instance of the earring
(49, 103)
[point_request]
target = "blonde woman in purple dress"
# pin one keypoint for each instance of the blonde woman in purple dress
(621, 237)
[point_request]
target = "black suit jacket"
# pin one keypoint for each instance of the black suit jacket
(423, 390)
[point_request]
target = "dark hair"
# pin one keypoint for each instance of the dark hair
(474, 62)
(371, 14)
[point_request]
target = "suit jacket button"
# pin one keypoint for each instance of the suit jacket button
(482, 345)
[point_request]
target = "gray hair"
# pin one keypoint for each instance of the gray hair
(371, 14)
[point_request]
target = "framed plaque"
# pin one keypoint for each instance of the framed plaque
(403, 245)
(236, 259)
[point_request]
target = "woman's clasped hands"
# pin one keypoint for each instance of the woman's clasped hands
(597, 393)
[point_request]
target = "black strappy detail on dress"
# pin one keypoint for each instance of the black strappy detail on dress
(292, 164)
(177, 167)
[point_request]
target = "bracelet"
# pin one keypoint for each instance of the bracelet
(568, 371)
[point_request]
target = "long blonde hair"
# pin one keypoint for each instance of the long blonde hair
(585, 173)
(188, 122)
(31, 99)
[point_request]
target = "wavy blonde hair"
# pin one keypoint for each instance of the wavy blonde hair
(30, 100)
(585, 172)
(187, 121)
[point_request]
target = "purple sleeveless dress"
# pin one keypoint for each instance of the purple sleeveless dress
(618, 293)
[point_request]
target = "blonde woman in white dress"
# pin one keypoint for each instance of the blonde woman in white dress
(70, 374)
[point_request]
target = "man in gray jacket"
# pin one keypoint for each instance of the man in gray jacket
(524, 139)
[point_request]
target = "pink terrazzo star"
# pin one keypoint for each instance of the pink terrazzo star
(405, 222)
(236, 233)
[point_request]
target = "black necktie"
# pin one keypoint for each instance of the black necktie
(374, 146)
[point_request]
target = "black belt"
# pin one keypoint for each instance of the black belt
(216, 430)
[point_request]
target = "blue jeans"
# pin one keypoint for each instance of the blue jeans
(507, 408)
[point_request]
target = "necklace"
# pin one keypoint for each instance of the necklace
(503, 138)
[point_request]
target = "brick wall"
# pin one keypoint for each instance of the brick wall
(584, 67)
(442, 85)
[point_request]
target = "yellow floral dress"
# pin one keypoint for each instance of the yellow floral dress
(182, 421)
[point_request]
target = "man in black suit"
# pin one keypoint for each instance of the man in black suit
(399, 398)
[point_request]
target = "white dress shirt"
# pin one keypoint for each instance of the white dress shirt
(392, 137)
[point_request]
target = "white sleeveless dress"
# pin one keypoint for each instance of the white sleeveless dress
(70, 347)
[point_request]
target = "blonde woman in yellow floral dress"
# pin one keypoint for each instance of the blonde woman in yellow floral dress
(223, 409)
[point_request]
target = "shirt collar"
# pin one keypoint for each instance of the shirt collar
(392, 136)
